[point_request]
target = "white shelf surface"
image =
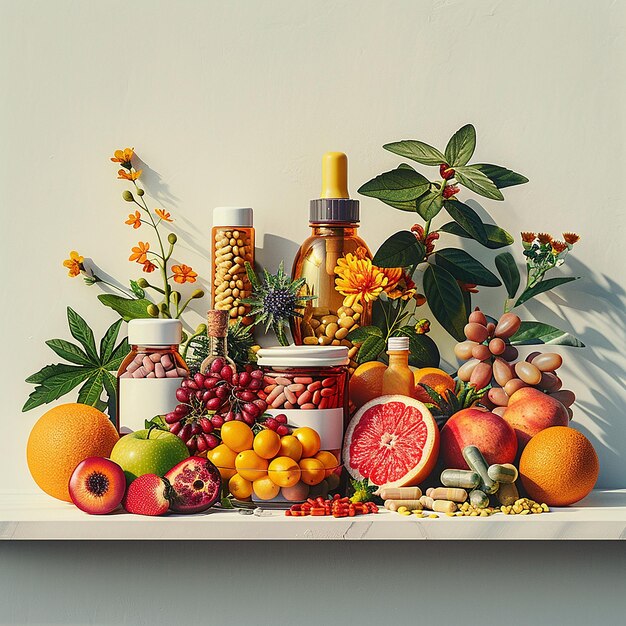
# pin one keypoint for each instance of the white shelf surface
(602, 515)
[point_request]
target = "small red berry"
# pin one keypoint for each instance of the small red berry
(450, 190)
(445, 171)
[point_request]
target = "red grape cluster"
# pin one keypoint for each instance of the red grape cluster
(278, 423)
(487, 348)
(210, 399)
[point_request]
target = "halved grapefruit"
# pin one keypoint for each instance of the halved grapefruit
(393, 441)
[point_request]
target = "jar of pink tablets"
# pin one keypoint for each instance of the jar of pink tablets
(150, 375)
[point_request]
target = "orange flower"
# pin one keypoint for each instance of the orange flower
(358, 280)
(528, 237)
(544, 238)
(134, 220)
(571, 238)
(394, 275)
(129, 175)
(124, 157)
(469, 287)
(140, 252)
(183, 274)
(74, 264)
(164, 215)
(404, 288)
(148, 266)
(558, 246)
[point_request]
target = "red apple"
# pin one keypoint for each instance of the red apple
(530, 411)
(488, 431)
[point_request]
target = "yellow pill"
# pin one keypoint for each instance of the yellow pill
(402, 509)
(433, 516)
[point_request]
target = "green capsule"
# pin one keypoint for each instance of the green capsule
(476, 461)
(128, 196)
(502, 473)
(479, 499)
(465, 479)
(143, 283)
(153, 310)
(507, 494)
(198, 293)
(140, 192)
(172, 238)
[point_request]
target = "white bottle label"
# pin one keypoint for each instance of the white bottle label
(141, 399)
(327, 422)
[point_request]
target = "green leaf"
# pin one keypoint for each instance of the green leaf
(91, 391)
(544, 285)
(69, 351)
(107, 343)
(496, 237)
(382, 313)
(110, 384)
(465, 267)
(507, 268)
(56, 386)
(136, 289)
(364, 332)
(533, 333)
(157, 423)
(409, 206)
(445, 300)
(423, 350)
(501, 176)
(370, 349)
(402, 249)
(81, 332)
(461, 146)
(127, 308)
(119, 354)
(476, 181)
(399, 185)
(429, 204)
(416, 151)
(468, 219)
(51, 370)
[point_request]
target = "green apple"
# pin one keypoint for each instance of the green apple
(148, 452)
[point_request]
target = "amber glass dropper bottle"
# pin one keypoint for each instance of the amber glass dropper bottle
(398, 377)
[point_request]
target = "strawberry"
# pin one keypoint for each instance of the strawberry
(148, 494)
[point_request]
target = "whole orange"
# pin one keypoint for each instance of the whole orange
(62, 438)
(559, 466)
(435, 378)
(366, 383)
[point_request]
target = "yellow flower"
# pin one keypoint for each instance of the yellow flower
(134, 220)
(183, 274)
(571, 238)
(358, 280)
(129, 175)
(140, 252)
(394, 275)
(164, 215)
(124, 157)
(74, 264)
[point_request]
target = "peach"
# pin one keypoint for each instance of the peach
(481, 428)
(97, 485)
(530, 411)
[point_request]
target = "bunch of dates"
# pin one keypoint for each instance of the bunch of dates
(490, 360)
(208, 400)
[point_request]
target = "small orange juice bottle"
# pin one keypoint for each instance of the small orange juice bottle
(398, 377)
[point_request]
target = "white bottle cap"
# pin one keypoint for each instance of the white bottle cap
(150, 332)
(398, 343)
(232, 216)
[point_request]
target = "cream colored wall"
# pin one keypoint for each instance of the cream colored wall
(234, 102)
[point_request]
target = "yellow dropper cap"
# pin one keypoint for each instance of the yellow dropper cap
(335, 175)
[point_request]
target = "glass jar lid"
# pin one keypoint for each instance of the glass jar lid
(155, 332)
(303, 356)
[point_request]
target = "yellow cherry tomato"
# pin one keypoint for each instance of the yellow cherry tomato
(290, 446)
(250, 465)
(329, 460)
(224, 459)
(309, 439)
(240, 487)
(284, 471)
(312, 471)
(265, 489)
(237, 436)
(266, 444)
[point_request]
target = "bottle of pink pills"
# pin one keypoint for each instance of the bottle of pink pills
(150, 375)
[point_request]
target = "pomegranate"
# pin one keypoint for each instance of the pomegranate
(196, 483)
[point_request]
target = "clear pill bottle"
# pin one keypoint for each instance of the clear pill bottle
(232, 245)
(152, 372)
